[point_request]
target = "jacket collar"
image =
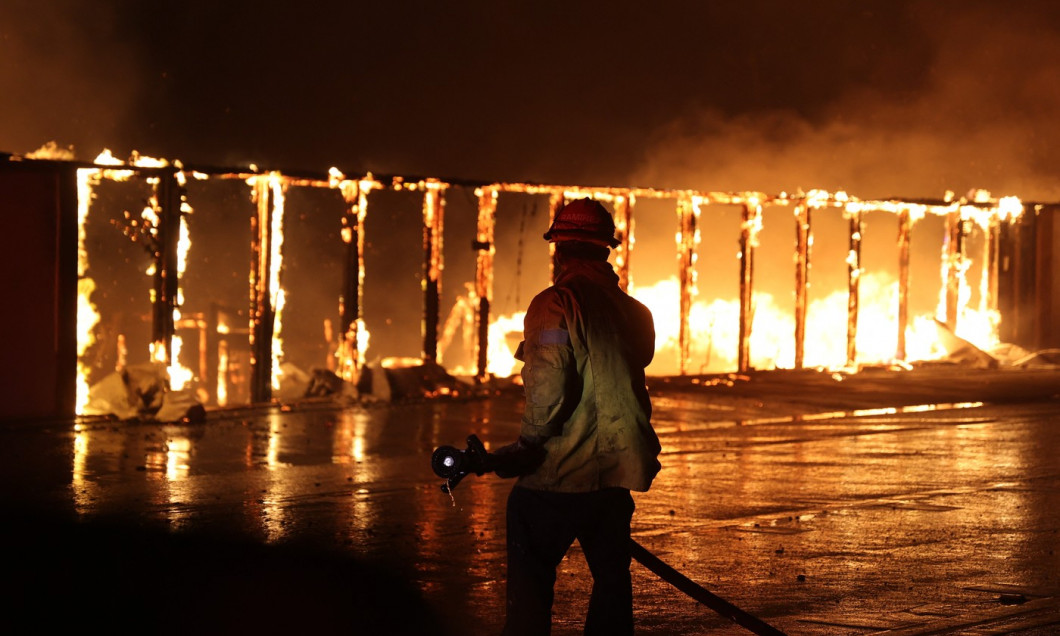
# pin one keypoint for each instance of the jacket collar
(598, 272)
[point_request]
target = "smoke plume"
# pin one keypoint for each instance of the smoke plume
(983, 118)
(66, 76)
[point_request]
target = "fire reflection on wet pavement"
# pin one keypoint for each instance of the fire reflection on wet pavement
(845, 524)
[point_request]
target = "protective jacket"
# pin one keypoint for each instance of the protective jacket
(586, 344)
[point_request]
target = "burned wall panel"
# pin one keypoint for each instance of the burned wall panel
(38, 209)
(1017, 281)
(977, 264)
(521, 270)
(120, 248)
(654, 271)
(216, 289)
(313, 257)
(522, 260)
(459, 302)
(927, 240)
(1026, 283)
(715, 312)
(877, 337)
(773, 327)
(828, 291)
(393, 284)
(1047, 300)
(1051, 317)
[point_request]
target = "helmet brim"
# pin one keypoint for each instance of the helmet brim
(553, 236)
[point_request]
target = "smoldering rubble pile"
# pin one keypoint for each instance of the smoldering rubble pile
(141, 392)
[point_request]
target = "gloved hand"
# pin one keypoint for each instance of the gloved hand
(454, 464)
(519, 458)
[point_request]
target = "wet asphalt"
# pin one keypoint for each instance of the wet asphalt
(923, 502)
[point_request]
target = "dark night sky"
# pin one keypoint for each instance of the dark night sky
(881, 98)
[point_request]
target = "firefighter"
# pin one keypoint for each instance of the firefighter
(586, 439)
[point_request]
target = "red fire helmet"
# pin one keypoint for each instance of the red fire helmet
(583, 220)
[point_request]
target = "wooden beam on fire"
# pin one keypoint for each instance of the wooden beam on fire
(485, 250)
(953, 258)
(802, 278)
(687, 232)
(853, 286)
(433, 228)
(751, 223)
(262, 311)
(904, 229)
(169, 195)
(992, 259)
(350, 302)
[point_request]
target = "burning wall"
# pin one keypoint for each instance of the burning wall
(342, 270)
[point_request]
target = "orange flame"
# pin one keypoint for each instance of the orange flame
(87, 315)
(713, 324)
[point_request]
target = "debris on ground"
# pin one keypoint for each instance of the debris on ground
(142, 392)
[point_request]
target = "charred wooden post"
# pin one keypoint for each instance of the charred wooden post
(853, 285)
(989, 222)
(1046, 305)
(351, 358)
(348, 363)
(624, 233)
(433, 224)
(687, 235)
(168, 199)
(953, 255)
(262, 311)
(991, 260)
(803, 240)
(904, 228)
(749, 227)
(485, 249)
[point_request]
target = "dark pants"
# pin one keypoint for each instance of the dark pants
(541, 527)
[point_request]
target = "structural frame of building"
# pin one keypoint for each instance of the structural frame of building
(40, 201)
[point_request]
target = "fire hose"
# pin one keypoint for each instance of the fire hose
(454, 464)
(701, 594)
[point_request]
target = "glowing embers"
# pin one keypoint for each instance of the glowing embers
(400, 362)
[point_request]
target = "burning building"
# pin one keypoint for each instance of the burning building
(240, 286)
